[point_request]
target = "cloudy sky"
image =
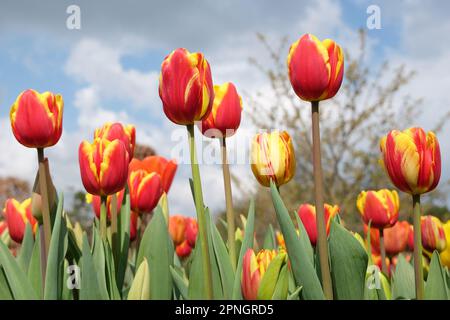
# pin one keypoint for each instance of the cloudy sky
(108, 70)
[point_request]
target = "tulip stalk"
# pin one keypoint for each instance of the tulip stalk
(229, 203)
(418, 269)
(45, 205)
(318, 195)
(103, 217)
(383, 253)
(114, 234)
(200, 208)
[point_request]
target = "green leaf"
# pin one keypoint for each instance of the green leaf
(156, 248)
(99, 260)
(26, 248)
(110, 275)
(123, 222)
(54, 274)
(402, 282)
(18, 281)
(247, 243)
(348, 264)
(67, 294)
(435, 287)
(34, 267)
(269, 280)
(180, 280)
(140, 288)
(304, 272)
(5, 290)
(269, 239)
(281, 288)
(295, 295)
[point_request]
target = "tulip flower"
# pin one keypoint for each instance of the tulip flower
(166, 169)
(225, 117)
(191, 231)
(395, 238)
(17, 215)
(411, 238)
(177, 228)
(183, 249)
(96, 203)
(36, 118)
(433, 234)
(445, 255)
(185, 87)
(380, 207)
(307, 214)
(253, 269)
(125, 133)
(412, 159)
(273, 158)
(316, 68)
(183, 231)
(145, 190)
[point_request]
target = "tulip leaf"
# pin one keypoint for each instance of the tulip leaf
(5, 290)
(304, 238)
(34, 267)
(18, 282)
(402, 281)
(73, 250)
(26, 249)
(269, 280)
(124, 239)
(99, 260)
(67, 293)
(247, 243)
(54, 274)
(348, 264)
(269, 239)
(304, 272)
(295, 295)
(110, 276)
(282, 286)
(435, 287)
(180, 280)
(140, 288)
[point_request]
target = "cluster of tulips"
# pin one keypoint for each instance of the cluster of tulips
(313, 256)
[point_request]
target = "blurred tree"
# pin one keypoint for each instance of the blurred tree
(12, 187)
(370, 103)
(142, 151)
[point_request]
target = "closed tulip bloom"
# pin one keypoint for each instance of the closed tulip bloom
(445, 255)
(36, 118)
(96, 203)
(177, 228)
(17, 215)
(381, 207)
(225, 117)
(125, 133)
(433, 234)
(191, 231)
(307, 214)
(315, 68)
(395, 238)
(411, 238)
(273, 158)
(166, 169)
(103, 166)
(145, 190)
(183, 249)
(185, 87)
(412, 159)
(253, 270)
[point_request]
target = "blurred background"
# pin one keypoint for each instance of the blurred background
(107, 66)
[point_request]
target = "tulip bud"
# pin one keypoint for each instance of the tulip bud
(411, 238)
(103, 166)
(253, 269)
(191, 231)
(380, 207)
(307, 214)
(183, 249)
(112, 131)
(273, 158)
(395, 238)
(177, 228)
(412, 159)
(445, 255)
(17, 216)
(96, 203)
(315, 68)
(433, 234)
(36, 119)
(166, 169)
(225, 117)
(185, 87)
(145, 190)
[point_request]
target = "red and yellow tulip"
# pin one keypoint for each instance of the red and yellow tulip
(225, 117)
(166, 169)
(445, 255)
(273, 158)
(433, 234)
(253, 269)
(183, 231)
(412, 159)
(307, 213)
(145, 190)
(96, 202)
(36, 118)
(103, 166)
(191, 231)
(17, 215)
(395, 238)
(380, 207)
(185, 87)
(125, 133)
(315, 68)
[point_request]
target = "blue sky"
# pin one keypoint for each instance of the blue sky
(108, 70)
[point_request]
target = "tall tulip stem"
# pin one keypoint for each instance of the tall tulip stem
(45, 205)
(200, 208)
(229, 203)
(114, 234)
(383, 253)
(418, 269)
(103, 217)
(322, 243)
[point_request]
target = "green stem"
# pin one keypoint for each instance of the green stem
(199, 206)
(383, 253)
(229, 203)
(322, 243)
(418, 269)
(103, 213)
(114, 234)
